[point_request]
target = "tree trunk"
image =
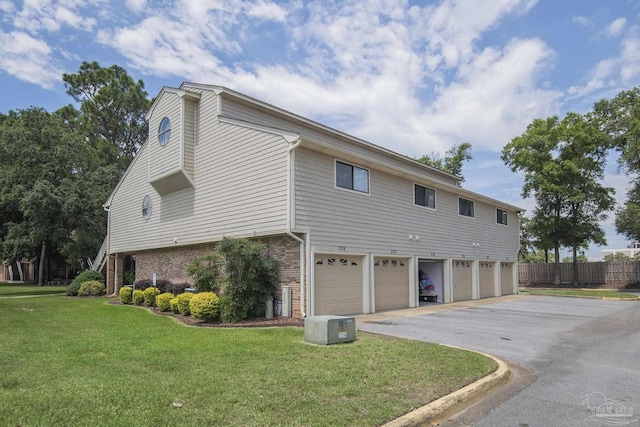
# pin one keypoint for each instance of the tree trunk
(43, 252)
(546, 256)
(575, 280)
(556, 266)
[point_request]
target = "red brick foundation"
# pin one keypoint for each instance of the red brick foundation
(170, 263)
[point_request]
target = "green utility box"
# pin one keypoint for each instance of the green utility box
(325, 330)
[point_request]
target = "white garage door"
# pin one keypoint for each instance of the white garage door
(391, 278)
(337, 284)
(487, 281)
(462, 278)
(506, 278)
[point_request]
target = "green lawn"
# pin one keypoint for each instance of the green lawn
(19, 289)
(589, 293)
(71, 361)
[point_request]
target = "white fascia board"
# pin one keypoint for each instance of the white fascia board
(167, 89)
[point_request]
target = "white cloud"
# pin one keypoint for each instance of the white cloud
(28, 59)
(267, 11)
(50, 15)
(363, 65)
(615, 28)
(136, 5)
(614, 73)
(497, 96)
(582, 20)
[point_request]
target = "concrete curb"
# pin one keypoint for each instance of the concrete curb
(454, 402)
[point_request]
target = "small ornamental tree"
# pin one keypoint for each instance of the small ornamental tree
(241, 273)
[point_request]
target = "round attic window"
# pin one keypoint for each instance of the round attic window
(164, 131)
(146, 207)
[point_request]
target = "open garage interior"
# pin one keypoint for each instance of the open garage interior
(430, 272)
(337, 284)
(391, 278)
(506, 278)
(487, 279)
(462, 280)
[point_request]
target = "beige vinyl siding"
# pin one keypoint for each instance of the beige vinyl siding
(189, 136)
(237, 110)
(240, 190)
(165, 160)
(383, 220)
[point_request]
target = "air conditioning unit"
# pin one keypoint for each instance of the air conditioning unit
(286, 301)
(329, 329)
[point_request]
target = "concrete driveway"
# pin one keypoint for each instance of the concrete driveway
(585, 353)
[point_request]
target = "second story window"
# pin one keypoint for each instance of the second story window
(501, 216)
(424, 196)
(164, 131)
(352, 177)
(465, 207)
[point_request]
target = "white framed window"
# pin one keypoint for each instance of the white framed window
(501, 216)
(147, 207)
(465, 207)
(424, 196)
(164, 131)
(352, 177)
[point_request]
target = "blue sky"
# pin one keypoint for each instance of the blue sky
(413, 76)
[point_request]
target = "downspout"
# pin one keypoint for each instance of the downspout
(107, 209)
(290, 215)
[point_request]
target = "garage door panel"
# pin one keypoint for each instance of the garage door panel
(487, 280)
(337, 284)
(462, 278)
(506, 278)
(391, 278)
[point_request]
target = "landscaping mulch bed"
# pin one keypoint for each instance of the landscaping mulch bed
(249, 323)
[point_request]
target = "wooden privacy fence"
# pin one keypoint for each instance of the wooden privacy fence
(590, 274)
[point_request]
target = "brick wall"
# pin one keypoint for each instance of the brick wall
(170, 263)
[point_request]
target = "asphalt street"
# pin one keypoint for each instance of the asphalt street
(584, 352)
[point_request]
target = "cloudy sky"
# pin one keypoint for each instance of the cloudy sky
(412, 76)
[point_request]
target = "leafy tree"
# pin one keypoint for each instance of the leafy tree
(563, 165)
(582, 257)
(453, 160)
(39, 165)
(617, 257)
(112, 111)
(621, 120)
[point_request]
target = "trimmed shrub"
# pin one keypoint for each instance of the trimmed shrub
(173, 303)
(150, 296)
(177, 288)
(183, 303)
(92, 288)
(138, 297)
(204, 306)
(126, 295)
(72, 289)
(85, 276)
(163, 301)
(148, 283)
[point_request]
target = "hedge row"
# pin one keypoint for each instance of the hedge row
(204, 305)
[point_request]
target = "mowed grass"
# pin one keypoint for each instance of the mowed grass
(70, 361)
(20, 289)
(586, 293)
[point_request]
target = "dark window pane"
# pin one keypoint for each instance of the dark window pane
(420, 195)
(344, 175)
